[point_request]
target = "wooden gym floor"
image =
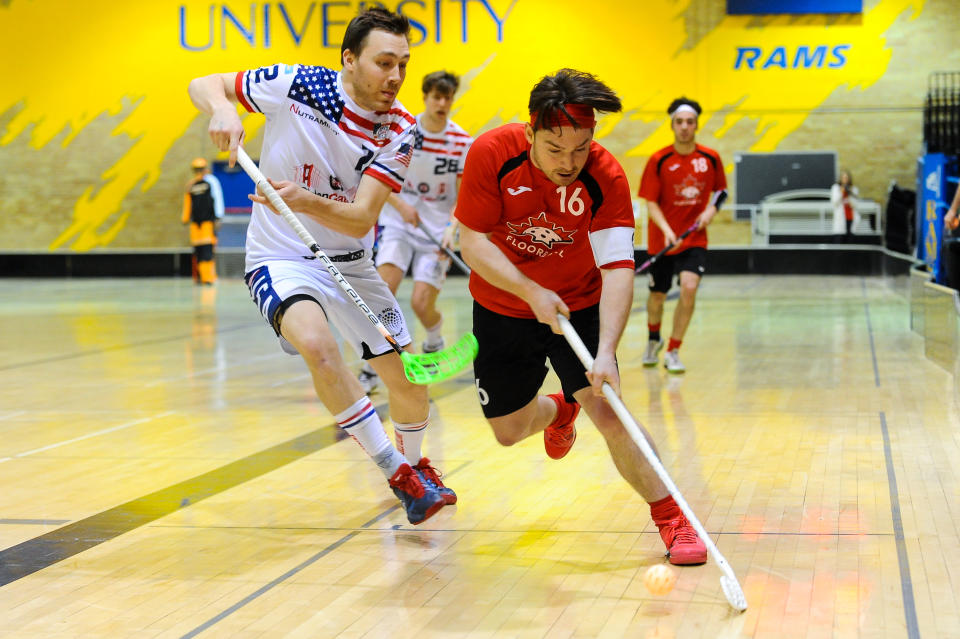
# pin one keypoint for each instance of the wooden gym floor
(166, 471)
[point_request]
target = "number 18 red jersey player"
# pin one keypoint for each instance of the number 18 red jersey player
(683, 184)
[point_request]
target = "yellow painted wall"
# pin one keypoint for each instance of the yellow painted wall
(96, 129)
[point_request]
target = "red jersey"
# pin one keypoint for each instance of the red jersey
(558, 236)
(683, 186)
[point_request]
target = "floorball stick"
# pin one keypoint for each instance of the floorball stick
(424, 368)
(453, 256)
(654, 258)
(728, 581)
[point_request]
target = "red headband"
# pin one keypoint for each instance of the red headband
(582, 114)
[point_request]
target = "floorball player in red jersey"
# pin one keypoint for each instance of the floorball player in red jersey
(547, 227)
(683, 184)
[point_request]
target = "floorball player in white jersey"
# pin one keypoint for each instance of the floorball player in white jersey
(335, 145)
(427, 200)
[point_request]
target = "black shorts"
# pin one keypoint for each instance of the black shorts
(511, 362)
(203, 252)
(661, 272)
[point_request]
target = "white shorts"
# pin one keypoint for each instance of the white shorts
(275, 281)
(400, 248)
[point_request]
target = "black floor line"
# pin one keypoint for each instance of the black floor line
(40, 552)
(293, 571)
(906, 583)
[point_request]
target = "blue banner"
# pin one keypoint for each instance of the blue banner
(236, 186)
(932, 206)
(753, 7)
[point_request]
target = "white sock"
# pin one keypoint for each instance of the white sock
(410, 439)
(361, 422)
(434, 332)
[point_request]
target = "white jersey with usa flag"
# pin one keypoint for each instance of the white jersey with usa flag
(318, 137)
(431, 184)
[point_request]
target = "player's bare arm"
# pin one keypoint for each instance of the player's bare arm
(658, 218)
(215, 95)
(406, 211)
(951, 215)
(350, 218)
(491, 264)
(616, 298)
(707, 216)
(717, 198)
(450, 233)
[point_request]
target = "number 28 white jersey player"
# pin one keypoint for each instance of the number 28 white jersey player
(431, 184)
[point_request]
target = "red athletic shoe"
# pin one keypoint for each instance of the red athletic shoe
(559, 436)
(684, 546)
(432, 475)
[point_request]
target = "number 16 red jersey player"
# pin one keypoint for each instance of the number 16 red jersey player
(547, 227)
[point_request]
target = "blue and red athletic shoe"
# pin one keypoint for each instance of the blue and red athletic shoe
(432, 476)
(419, 498)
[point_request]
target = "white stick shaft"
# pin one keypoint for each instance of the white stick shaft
(271, 194)
(637, 435)
(453, 256)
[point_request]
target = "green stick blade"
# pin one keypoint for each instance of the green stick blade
(429, 368)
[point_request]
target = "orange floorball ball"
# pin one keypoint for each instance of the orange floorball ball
(659, 579)
(954, 223)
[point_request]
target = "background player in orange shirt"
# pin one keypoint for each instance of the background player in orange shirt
(203, 210)
(683, 184)
(547, 227)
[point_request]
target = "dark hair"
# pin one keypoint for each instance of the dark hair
(378, 17)
(849, 175)
(676, 104)
(567, 86)
(442, 82)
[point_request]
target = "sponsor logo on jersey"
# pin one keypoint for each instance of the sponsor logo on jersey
(332, 196)
(381, 131)
(304, 174)
(308, 177)
(687, 191)
(538, 231)
(306, 115)
(518, 190)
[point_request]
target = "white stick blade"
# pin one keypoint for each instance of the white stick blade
(734, 593)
